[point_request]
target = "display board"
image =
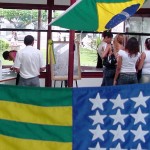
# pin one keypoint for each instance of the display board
(59, 70)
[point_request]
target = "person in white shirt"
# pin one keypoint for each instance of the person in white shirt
(107, 38)
(29, 63)
(126, 63)
(144, 63)
(108, 73)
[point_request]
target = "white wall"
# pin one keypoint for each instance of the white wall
(147, 4)
(62, 2)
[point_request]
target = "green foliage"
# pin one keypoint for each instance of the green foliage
(88, 57)
(4, 45)
(56, 14)
(98, 41)
(22, 18)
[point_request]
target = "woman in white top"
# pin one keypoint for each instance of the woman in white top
(126, 63)
(144, 63)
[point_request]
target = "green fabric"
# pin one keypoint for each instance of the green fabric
(37, 96)
(83, 15)
(88, 17)
(35, 131)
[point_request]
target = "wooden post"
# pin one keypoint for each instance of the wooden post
(71, 55)
(48, 81)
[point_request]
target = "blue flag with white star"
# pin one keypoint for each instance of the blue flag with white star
(112, 118)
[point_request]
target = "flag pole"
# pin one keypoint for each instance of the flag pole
(71, 54)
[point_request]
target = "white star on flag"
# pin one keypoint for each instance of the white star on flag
(139, 134)
(139, 116)
(118, 147)
(138, 147)
(97, 102)
(97, 118)
(118, 102)
(118, 118)
(98, 133)
(97, 147)
(140, 100)
(119, 133)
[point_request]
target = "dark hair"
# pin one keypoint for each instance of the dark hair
(132, 46)
(147, 43)
(107, 33)
(28, 40)
(6, 55)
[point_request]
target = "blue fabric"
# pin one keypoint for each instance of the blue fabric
(123, 107)
(129, 11)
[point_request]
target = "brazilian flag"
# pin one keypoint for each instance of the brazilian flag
(97, 15)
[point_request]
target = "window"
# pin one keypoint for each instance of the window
(16, 24)
(140, 26)
(88, 53)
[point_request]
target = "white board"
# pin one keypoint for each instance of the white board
(59, 71)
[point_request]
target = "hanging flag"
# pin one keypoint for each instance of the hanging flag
(97, 15)
(35, 118)
(51, 56)
(112, 118)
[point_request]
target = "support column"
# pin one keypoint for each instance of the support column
(71, 54)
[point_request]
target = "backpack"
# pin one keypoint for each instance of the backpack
(110, 61)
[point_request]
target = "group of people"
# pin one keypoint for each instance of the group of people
(28, 63)
(122, 61)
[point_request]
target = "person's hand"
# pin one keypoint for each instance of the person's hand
(42, 69)
(17, 70)
(115, 82)
(12, 68)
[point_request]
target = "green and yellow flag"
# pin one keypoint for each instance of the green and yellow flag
(35, 118)
(85, 118)
(97, 15)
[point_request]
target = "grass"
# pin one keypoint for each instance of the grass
(88, 57)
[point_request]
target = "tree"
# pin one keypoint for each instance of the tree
(4, 45)
(21, 18)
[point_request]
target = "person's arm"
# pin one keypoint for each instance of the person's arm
(106, 51)
(119, 64)
(100, 50)
(17, 63)
(141, 61)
